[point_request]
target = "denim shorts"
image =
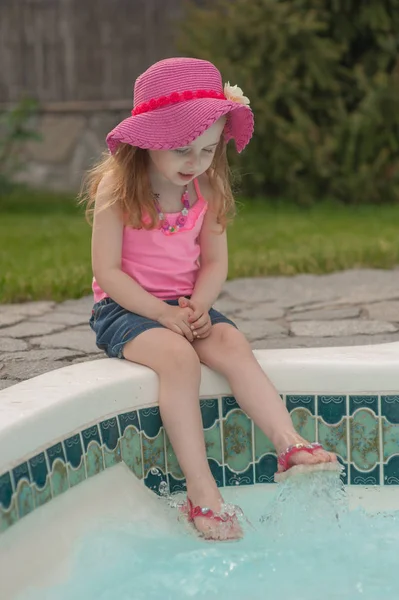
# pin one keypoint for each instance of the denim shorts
(115, 326)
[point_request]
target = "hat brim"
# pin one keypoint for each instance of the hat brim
(177, 125)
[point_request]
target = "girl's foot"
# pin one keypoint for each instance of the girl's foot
(219, 522)
(304, 458)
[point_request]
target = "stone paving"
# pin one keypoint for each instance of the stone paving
(342, 309)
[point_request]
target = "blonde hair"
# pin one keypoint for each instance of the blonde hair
(131, 189)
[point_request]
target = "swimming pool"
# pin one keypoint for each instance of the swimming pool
(97, 425)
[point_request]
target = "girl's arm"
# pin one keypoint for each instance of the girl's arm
(214, 261)
(107, 257)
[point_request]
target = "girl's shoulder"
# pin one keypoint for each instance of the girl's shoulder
(106, 183)
(106, 197)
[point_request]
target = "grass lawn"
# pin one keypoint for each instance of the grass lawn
(45, 243)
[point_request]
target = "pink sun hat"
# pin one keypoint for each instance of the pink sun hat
(176, 100)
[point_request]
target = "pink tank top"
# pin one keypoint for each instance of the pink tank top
(164, 265)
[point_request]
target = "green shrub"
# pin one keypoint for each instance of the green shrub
(323, 80)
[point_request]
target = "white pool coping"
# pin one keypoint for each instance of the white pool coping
(50, 406)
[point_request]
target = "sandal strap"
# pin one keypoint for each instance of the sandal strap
(197, 511)
(284, 457)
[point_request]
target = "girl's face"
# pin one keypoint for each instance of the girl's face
(183, 164)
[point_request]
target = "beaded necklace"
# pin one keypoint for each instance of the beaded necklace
(165, 226)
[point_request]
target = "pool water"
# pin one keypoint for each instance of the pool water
(304, 544)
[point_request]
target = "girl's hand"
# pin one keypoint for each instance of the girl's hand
(199, 321)
(176, 319)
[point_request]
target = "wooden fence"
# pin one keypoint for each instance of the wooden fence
(63, 52)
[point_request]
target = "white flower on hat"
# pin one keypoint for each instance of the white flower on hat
(235, 94)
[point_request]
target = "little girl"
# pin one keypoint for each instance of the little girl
(159, 253)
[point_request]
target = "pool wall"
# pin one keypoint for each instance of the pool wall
(66, 426)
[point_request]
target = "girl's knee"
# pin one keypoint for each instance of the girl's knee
(164, 351)
(225, 349)
(231, 340)
(180, 359)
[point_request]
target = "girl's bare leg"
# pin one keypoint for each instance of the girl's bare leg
(227, 351)
(175, 361)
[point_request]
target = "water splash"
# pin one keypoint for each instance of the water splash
(307, 545)
(163, 490)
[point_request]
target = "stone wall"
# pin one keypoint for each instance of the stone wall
(72, 140)
(79, 60)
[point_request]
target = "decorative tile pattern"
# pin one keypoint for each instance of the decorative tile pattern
(390, 439)
(364, 478)
(153, 452)
(304, 423)
(74, 451)
(362, 429)
(390, 408)
(391, 471)
(21, 472)
(332, 427)
(76, 467)
(308, 402)
(331, 408)
(112, 457)
(265, 469)
(94, 459)
(228, 403)
(54, 453)
(42, 495)
(334, 437)
(110, 433)
(262, 444)
(25, 498)
(90, 435)
(364, 440)
(59, 478)
(131, 450)
(243, 478)
(356, 402)
(6, 490)
(38, 468)
(78, 475)
(128, 419)
(40, 481)
(150, 421)
(176, 485)
(209, 412)
(154, 479)
(237, 435)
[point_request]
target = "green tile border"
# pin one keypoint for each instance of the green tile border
(363, 430)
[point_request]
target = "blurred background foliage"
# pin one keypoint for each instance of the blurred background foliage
(323, 80)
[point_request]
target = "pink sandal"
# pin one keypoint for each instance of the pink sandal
(192, 512)
(287, 469)
(196, 511)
